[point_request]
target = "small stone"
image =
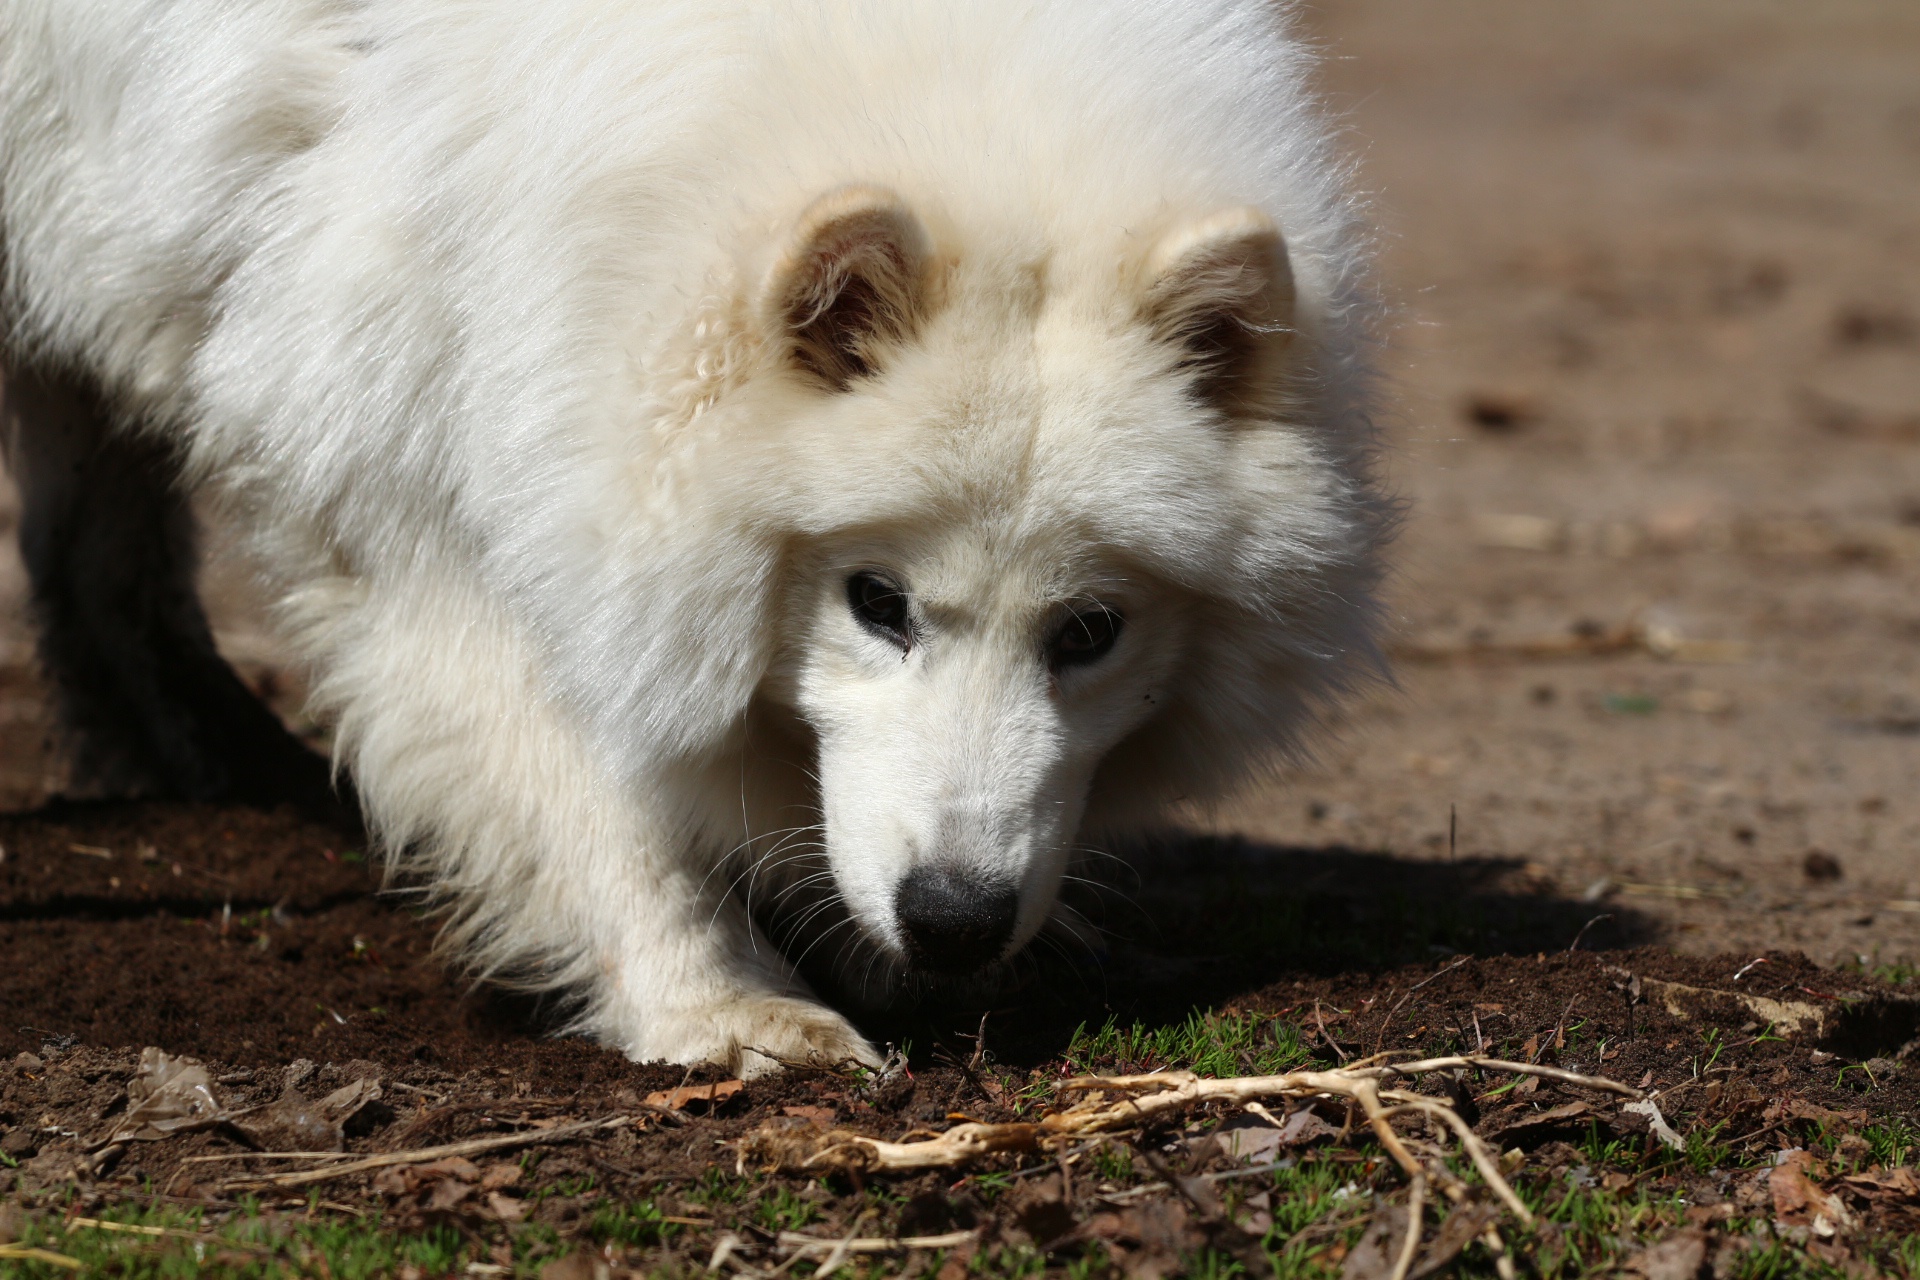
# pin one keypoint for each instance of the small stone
(28, 1062)
(20, 1144)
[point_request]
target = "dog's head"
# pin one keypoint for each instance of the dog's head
(1068, 536)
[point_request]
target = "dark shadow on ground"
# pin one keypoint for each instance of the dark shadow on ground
(1192, 922)
(257, 936)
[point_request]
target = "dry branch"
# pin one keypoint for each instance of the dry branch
(805, 1244)
(1113, 1103)
(32, 1253)
(473, 1146)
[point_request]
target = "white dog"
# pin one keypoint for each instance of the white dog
(741, 472)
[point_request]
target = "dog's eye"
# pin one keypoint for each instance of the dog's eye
(882, 606)
(1086, 638)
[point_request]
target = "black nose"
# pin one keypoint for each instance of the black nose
(954, 922)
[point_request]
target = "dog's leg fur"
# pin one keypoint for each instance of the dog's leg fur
(556, 873)
(148, 705)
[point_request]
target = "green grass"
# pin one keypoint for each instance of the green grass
(1891, 1143)
(638, 1223)
(783, 1209)
(249, 1246)
(1898, 973)
(1211, 1044)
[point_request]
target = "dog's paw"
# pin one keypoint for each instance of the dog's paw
(754, 1035)
(783, 1031)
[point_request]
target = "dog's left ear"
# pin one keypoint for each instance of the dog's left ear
(851, 283)
(1220, 289)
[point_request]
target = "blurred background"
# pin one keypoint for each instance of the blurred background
(1655, 377)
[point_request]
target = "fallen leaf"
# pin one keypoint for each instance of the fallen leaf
(1379, 1247)
(1248, 1140)
(1529, 1129)
(1679, 1257)
(504, 1174)
(1304, 1126)
(819, 1115)
(1462, 1227)
(1799, 1201)
(293, 1123)
(1900, 1183)
(1801, 1109)
(506, 1208)
(581, 1264)
(167, 1095)
(683, 1097)
(452, 1167)
(446, 1193)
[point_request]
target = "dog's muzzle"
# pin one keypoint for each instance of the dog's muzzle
(954, 922)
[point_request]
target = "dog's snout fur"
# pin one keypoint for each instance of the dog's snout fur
(955, 921)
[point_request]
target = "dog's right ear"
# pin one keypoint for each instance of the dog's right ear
(851, 283)
(1220, 290)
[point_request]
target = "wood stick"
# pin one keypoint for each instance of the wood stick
(271, 1155)
(1517, 1068)
(1476, 1150)
(98, 1224)
(29, 1253)
(875, 1244)
(474, 1146)
(1416, 1209)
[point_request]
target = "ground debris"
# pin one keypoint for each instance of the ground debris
(452, 1188)
(1800, 1201)
(704, 1095)
(294, 1123)
(167, 1095)
(1679, 1257)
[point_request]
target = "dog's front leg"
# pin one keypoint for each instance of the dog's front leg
(686, 977)
(557, 871)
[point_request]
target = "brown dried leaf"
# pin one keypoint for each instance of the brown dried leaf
(1373, 1257)
(1799, 1201)
(506, 1208)
(1679, 1257)
(500, 1176)
(446, 1193)
(294, 1123)
(685, 1096)
(1895, 1184)
(1462, 1227)
(167, 1095)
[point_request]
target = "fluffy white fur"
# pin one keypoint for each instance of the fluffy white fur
(462, 308)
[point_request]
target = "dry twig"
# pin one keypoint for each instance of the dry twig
(1113, 1103)
(473, 1146)
(1416, 1209)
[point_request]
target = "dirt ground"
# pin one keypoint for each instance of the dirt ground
(1658, 268)
(255, 944)
(1656, 388)
(1656, 363)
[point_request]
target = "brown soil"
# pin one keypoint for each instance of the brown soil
(253, 940)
